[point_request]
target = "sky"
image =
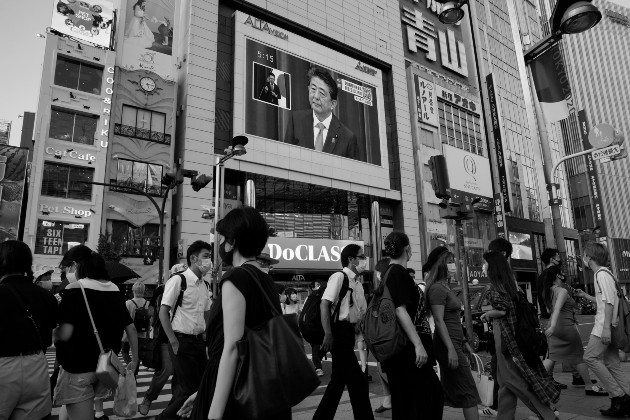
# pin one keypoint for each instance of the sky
(20, 21)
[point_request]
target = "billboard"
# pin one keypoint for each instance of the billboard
(469, 176)
(5, 131)
(307, 254)
(85, 21)
(621, 249)
(13, 166)
(148, 37)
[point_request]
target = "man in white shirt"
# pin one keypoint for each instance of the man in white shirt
(600, 355)
(186, 324)
(339, 337)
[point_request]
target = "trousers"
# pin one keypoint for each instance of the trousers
(345, 372)
(603, 360)
(160, 377)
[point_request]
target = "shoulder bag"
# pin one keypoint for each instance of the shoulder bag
(109, 366)
(273, 373)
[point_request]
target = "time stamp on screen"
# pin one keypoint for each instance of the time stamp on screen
(268, 57)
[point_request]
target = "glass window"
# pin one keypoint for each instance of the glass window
(130, 241)
(143, 124)
(56, 238)
(64, 181)
(460, 128)
(142, 175)
(70, 126)
(77, 75)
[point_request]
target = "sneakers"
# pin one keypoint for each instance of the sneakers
(103, 417)
(319, 372)
(596, 391)
(144, 407)
(559, 385)
(487, 411)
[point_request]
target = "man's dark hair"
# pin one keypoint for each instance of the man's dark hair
(350, 251)
(271, 74)
(326, 78)
(16, 258)
(246, 229)
(548, 254)
(92, 267)
(382, 265)
(195, 248)
(501, 245)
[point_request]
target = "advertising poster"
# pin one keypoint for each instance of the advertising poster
(56, 238)
(84, 21)
(148, 36)
(305, 253)
(13, 161)
(282, 105)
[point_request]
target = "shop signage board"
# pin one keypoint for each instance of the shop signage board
(426, 102)
(55, 237)
(498, 145)
(469, 177)
(305, 253)
(606, 153)
(457, 99)
(90, 22)
(13, 168)
(593, 178)
(622, 258)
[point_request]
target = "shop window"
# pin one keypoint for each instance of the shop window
(70, 126)
(131, 241)
(74, 74)
(143, 124)
(65, 181)
(141, 175)
(56, 238)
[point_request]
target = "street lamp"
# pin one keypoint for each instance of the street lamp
(237, 148)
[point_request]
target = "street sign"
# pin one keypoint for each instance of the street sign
(606, 153)
(602, 135)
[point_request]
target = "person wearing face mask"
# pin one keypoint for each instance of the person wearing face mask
(29, 315)
(291, 305)
(184, 310)
(340, 312)
(265, 262)
(449, 342)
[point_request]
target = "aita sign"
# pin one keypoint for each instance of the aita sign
(304, 253)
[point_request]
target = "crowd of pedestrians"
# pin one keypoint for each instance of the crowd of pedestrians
(198, 340)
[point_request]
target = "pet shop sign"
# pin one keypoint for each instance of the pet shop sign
(84, 21)
(107, 106)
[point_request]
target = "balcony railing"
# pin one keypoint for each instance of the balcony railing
(141, 133)
(154, 190)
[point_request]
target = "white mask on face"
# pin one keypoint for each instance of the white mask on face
(72, 277)
(452, 268)
(362, 266)
(204, 264)
(484, 269)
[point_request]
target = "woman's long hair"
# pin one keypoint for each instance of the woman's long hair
(548, 277)
(500, 274)
(437, 271)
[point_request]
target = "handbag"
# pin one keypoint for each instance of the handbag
(109, 366)
(125, 398)
(272, 373)
(484, 383)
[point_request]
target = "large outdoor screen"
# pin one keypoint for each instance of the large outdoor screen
(284, 103)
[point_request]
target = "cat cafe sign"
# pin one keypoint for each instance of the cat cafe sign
(304, 253)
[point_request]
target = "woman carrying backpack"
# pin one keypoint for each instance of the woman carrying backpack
(528, 382)
(415, 388)
(133, 305)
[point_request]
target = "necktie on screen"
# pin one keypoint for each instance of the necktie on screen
(319, 141)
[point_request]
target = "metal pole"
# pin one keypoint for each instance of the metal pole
(217, 264)
(161, 248)
(462, 274)
(250, 193)
(376, 236)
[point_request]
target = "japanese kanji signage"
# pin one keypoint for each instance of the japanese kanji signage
(593, 180)
(426, 102)
(429, 41)
(457, 99)
(498, 145)
(621, 248)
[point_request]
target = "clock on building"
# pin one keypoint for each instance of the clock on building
(147, 84)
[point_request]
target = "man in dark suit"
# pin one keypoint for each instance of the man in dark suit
(318, 128)
(270, 92)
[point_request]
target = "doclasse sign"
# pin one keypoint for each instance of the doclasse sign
(304, 253)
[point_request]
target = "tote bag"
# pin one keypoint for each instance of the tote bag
(485, 384)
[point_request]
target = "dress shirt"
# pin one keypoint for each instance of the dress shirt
(326, 123)
(348, 313)
(189, 317)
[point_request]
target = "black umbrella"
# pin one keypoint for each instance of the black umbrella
(119, 273)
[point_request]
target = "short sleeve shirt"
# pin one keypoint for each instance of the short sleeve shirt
(347, 312)
(80, 353)
(605, 293)
(440, 294)
(189, 317)
(403, 289)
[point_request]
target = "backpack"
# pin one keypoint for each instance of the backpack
(182, 288)
(383, 335)
(620, 335)
(141, 317)
(529, 337)
(310, 321)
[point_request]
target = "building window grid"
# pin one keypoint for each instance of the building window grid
(83, 129)
(141, 175)
(460, 128)
(88, 77)
(156, 125)
(64, 181)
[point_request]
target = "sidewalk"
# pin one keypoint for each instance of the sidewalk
(573, 404)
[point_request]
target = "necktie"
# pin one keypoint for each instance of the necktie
(319, 141)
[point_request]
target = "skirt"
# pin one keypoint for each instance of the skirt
(458, 384)
(565, 345)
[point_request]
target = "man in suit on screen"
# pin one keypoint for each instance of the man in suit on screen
(318, 128)
(270, 92)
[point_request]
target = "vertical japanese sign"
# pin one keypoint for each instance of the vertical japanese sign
(498, 144)
(426, 102)
(622, 258)
(593, 179)
(13, 162)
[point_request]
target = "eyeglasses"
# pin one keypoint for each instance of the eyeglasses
(361, 257)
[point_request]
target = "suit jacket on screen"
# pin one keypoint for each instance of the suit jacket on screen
(339, 141)
(267, 96)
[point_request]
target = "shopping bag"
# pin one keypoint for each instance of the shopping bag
(125, 399)
(485, 384)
